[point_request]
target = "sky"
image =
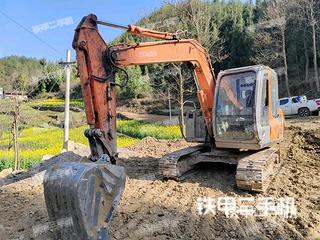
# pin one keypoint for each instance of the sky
(24, 23)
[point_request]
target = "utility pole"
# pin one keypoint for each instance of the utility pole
(169, 97)
(67, 102)
(15, 131)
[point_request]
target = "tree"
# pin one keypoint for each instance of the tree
(310, 7)
(277, 12)
(277, 33)
(21, 83)
(184, 81)
(268, 47)
(236, 22)
(51, 79)
(300, 31)
(178, 80)
(137, 86)
(203, 20)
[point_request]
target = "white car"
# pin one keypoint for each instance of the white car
(318, 103)
(298, 105)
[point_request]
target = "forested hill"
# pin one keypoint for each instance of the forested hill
(31, 75)
(277, 33)
(18, 72)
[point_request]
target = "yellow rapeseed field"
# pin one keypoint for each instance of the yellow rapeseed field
(36, 142)
(55, 102)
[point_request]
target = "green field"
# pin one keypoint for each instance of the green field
(140, 130)
(56, 102)
(35, 142)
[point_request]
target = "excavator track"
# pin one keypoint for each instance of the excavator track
(254, 169)
(254, 172)
(174, 165)
(81, 198)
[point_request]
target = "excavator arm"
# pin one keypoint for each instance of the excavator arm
(97, 63)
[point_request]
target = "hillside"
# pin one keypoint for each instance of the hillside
(19, 72)
(32, 76)
(238, 33)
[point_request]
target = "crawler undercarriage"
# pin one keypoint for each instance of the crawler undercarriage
(254, 169)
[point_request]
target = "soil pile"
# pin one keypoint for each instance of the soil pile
(154, 209)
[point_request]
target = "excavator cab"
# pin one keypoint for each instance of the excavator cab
(247, 122)
(246, 109)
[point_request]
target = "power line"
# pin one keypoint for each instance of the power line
(30, 32)
(38, 38)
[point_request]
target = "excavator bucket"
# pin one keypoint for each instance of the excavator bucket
(81, 197)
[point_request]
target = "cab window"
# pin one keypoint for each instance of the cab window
(295, 100)
(235, 106)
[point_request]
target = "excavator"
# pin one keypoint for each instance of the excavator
(239, 122)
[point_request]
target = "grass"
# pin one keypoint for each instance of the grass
(32, 117)
(35, 142)
(140, 130)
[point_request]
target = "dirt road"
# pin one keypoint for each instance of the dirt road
(156, 209)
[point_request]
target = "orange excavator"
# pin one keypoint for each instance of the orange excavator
(239, 122)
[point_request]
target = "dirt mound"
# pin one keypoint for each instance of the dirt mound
(300, 178)
(154, 209)
(167, 210)
(152, 147)
(309, 138)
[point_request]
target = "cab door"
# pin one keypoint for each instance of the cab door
(276, 117)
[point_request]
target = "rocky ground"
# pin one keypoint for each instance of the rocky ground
(155, 209)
